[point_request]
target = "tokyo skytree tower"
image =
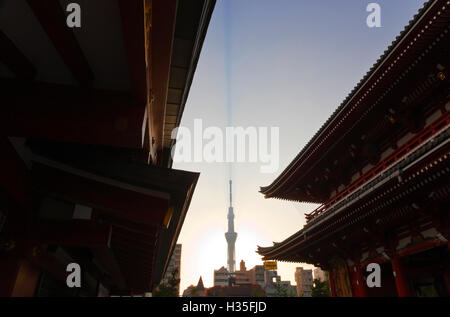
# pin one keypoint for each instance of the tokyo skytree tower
(231, 237)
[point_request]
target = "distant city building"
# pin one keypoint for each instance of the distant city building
(174, 266)
(241, 276)
(320, 275)
(275, 287)
(257, 275)
(252, 276)
(304, 280)
(195, 291)
(269, 282)
(221, 277)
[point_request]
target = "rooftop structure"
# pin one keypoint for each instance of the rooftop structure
(304, 281)
(379, 168)
(86, 122)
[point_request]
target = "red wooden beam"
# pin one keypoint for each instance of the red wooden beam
(132, 14)
(51, 16)
(107, 198)
(66, 114)
(163, 27)
(73, 233)
(14, 59)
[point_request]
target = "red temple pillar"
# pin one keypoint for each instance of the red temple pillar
(447, 277)
(359, 285)
(18, 278)
(401, 282)
(447, 281)
(332, 286)
(8, 273)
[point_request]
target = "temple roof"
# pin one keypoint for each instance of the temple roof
(357, 101)
(108, 54)
(418, 58)
(89, 112)
(141, 195)
(418, 177)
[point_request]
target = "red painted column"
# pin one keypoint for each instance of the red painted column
(447, 277)
(401, 281)
(8, 274)
(353, 278)
(359, 284)
(18, 278)
(447, 281)
(332, 286)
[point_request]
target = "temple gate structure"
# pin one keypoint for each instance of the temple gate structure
(380, 168)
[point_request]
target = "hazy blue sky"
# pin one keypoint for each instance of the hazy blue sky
(285, 63)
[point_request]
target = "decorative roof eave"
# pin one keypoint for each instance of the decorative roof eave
(170, 236)
(178, 90)
(438, 153)
(362, 90)
(176, 186)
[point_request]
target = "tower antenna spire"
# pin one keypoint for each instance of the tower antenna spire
(231, 204)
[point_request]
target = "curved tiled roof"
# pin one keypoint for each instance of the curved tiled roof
(349, 97)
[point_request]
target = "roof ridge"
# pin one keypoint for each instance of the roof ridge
(352, 93)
